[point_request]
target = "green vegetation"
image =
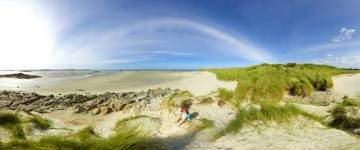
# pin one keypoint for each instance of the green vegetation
(350, 102)
(125, 139)
(206, 100)
(9, 118)
(227, 96)
(177, 98)
(341, 119)
(265, 85)
(206, 124)
(40, 122)
(264, 112)
(270, 82)
(121, 124)
(86, 133)
(12, 122)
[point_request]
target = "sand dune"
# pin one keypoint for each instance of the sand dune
(300, 133)
(348, 84)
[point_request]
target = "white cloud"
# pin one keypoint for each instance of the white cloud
(344, 34)
(172, 53)
(225, 42)
(133, 41)
(73, 42)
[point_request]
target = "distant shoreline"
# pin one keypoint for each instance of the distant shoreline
(29, 70)
(66, 82)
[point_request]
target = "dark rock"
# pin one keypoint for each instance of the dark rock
(19, 76)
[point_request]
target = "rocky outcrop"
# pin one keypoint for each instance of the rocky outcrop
(95, 103)
(19, 76)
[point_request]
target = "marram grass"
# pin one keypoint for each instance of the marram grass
(264, 112)
(206, 124)
(86, 139)
(340, 118)
(271, 82)
(40, 122)
(12, 122)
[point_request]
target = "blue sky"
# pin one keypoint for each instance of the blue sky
(177, 34)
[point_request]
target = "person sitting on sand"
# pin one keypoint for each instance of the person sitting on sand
(185, 115)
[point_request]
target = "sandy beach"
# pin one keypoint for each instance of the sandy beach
(196, 82)
(347, 85)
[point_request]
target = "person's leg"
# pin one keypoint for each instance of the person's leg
(182, 122)
(185, 117)
(180, 118)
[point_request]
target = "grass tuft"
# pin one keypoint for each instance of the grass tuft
(206, 124)
(350, 102)
(86, 134)
(341, 119)
(227, 96)
(40, 122)
(127, 138)
(9, 118)
(121, 124)
(12, 122)
(264, 112)
(176, 99)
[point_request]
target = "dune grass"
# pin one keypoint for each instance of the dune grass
(177, 95)
(350, 102)
(206, 124)
(15, 124)
(271, 82)
(176, 99)
(341, 120)
(121, 124)
(86, 139)
(264, 112)
(206, 100)
(9, 118)
(40, 122)
(226, 96)
(12, 122)
(86, 133)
